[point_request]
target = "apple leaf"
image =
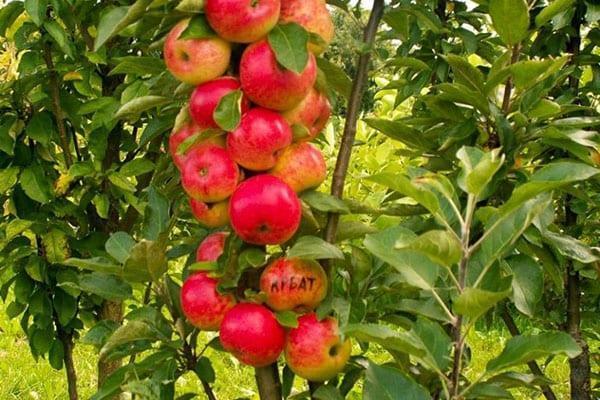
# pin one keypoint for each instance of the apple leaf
(191, 6)
(315, 248)
(289, 43)
(289, 319)
(228, 113)
(198, 28)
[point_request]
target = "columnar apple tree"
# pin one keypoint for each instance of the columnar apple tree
(164, 193)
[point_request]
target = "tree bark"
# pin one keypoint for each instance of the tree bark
(112, 311)
(268, 382)
(67, 341)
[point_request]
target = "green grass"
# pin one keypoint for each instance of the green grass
(23, 378)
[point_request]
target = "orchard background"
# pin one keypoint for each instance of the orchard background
(463, 253)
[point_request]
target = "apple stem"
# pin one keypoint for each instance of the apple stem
(268, 382)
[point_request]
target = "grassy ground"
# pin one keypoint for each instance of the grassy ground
(23, 378)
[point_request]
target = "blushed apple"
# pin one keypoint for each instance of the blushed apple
(312, 113)
(242, 21)
(268, 84)
(211, 248)
(195, 61)
(313, 16)
(187, 131)
(301, 166)
(261, 135)
(211, 215)
(206, 97)
(203, 306)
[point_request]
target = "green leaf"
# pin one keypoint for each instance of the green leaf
(56, 246)
(140, 104)
(99, 333)
(544, 109)
(131, 332)
(117, 19)
(440, 246)
(106, 286)
(156, 214)
(147, 260)
(327, 392)
(119, 246)
(325, 202)
(315, 248)
(386, 383)
(65, 306)
(7, 135)
(436, 342)
(473, 303)
(426, 18)
(198, 28)
(16, 227)
(41, 340)
(288, 319)
(36, 10)
(56, 355)
(8, 15)
(399, 131)
(510, 19)
(140, 66)
(553, 9)
(228, 112)
(336, 77)
(137, 167)
(465, 73)
(35, 184)
(289, 43)
(524, 348)
(191, 6)
(8, 178)
(409, 62)
(60, 36)
(527, 283)
(120, 181)
(41, 127)
(388, 338)
(97, 264)
(570, 247)
(478, 168)
(484, 390)
(577, 122)
(253, 257)
(204, 370)
(528, 73)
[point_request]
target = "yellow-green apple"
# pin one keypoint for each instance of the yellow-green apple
(256, 142)
(211, 215)
(252, 334)
(187, 131)
(264, 210)
(203, 306)
(209, 174)
(195, 61)
(242, 21)
(312, 113)
(268, 84)
(206, 97)
(293, 284)
(301, 166)
(314, 350)
(211, 248)
(314, 17)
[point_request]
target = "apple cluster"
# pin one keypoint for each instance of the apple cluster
(249, 175)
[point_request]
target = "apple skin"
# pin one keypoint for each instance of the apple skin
(314, 349)
(261, 135)
(209, 174)
(240, 21)
(264, 210)
(177, 138)
(313, 16)
(252, 334)
(293, 284)
(203, 306)
(195, 61)
(269, 85)
(312, 112)
(206, 97)
(301, 166)
(211, 248)
(211, 215)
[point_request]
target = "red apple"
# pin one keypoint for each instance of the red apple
(211, 247)
(203, 306)
(209, 174)
(314, 350)
(195, 60)
(211, 215)
(312, 113)
(206, 97)
(187, 131)
(313, 16)
(242, 21)
(268, 84)
(261, 135)
(301, 166)
(252, 334)
(293, 284)
(264, 210)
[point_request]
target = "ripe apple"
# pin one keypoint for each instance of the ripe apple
(211, 248)
(313, 16)
(209, 174)
(195, 61)
(301, 166)
(293, 284)
(252, 334)
(269, 85)
(202, 304)
(211, 215)
(206, 97)
(261, 135)
(314, 350)
(312, 112)
(189, 130)
(264, 210)
(242, 21)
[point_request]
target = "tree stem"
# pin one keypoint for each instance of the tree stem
(67, 341)
(268, 382)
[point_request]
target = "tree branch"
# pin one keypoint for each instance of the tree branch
(268, 382)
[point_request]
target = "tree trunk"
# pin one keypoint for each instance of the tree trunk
(268, 382)
(112, 311)
(67, 341)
